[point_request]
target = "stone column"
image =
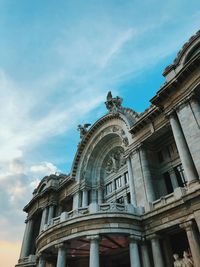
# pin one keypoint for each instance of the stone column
(173, 179)
(94, 251)
(44, 218)
(42, 261)
(94, 196)
(197, 218)
(196, 109)
(100, 195)
(50, 213)
(131, 182)
(157, 254)
(85, 198)
(134, 252)
(26, 244)
(184, 153)
(76, 201)
(145, 255)
(61, 259)
(193, 241)
(147, 175)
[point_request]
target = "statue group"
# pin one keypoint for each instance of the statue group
(186, 261)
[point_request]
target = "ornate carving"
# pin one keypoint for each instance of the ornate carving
(83, 129)
(115, 161)
(124, 138)
(113, 104)
(186, 261)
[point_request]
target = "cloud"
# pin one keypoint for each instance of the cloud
(16, 187)
(63, 79)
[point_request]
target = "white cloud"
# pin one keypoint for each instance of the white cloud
(86, 62)
(16, 187)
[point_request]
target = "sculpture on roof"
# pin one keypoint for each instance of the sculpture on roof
(83, 129)
(113, 104)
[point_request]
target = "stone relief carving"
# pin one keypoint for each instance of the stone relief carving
(186, 261)
(111, 165)
(124, 138)
(83, 129)
(113, 104)
(115, 161)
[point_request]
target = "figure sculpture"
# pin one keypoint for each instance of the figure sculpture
(113, 104)
(187, 261)
(83, 129)
(178, 261)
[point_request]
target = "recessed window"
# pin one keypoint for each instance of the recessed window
(168, 182)
(108, 188)
(126, 177)
(118, 182)
(180, 175)
(120, 200)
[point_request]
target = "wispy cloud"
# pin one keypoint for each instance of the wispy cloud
(58, 73)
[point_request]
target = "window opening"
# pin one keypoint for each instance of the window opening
(168, 182)
(118, 182)
(180, 175)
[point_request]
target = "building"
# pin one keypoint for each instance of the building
(133, 195)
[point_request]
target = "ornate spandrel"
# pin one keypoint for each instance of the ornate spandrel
(113, 104)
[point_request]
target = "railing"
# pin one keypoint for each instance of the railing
(164, 200)
(95, 208)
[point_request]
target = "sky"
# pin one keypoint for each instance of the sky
(58, 60)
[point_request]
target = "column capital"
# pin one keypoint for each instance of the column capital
(42, 254)
(153, 236)
(170, 113)
(52, 203)
(61, 245)
(135, 238)
(186, 225)
(94, 237)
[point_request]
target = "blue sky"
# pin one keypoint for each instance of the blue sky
(58, 61)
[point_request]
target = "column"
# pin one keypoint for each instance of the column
(145, 255)
(183, 149)
(93, 196)
(156, 250)
(42, 261)
(100, 195)
(26, 244)
(196, 109)
(147, 175)
(50, 213)
(61, 259)
(44, 219)
(197, 218)
(134, 252)
(94, 251)
(193, 241)
(76, 201)
(85, 198)
(131, 182)
(173, 179)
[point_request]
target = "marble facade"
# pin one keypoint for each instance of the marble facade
(132, 198)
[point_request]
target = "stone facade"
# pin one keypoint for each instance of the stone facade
(132, 197)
